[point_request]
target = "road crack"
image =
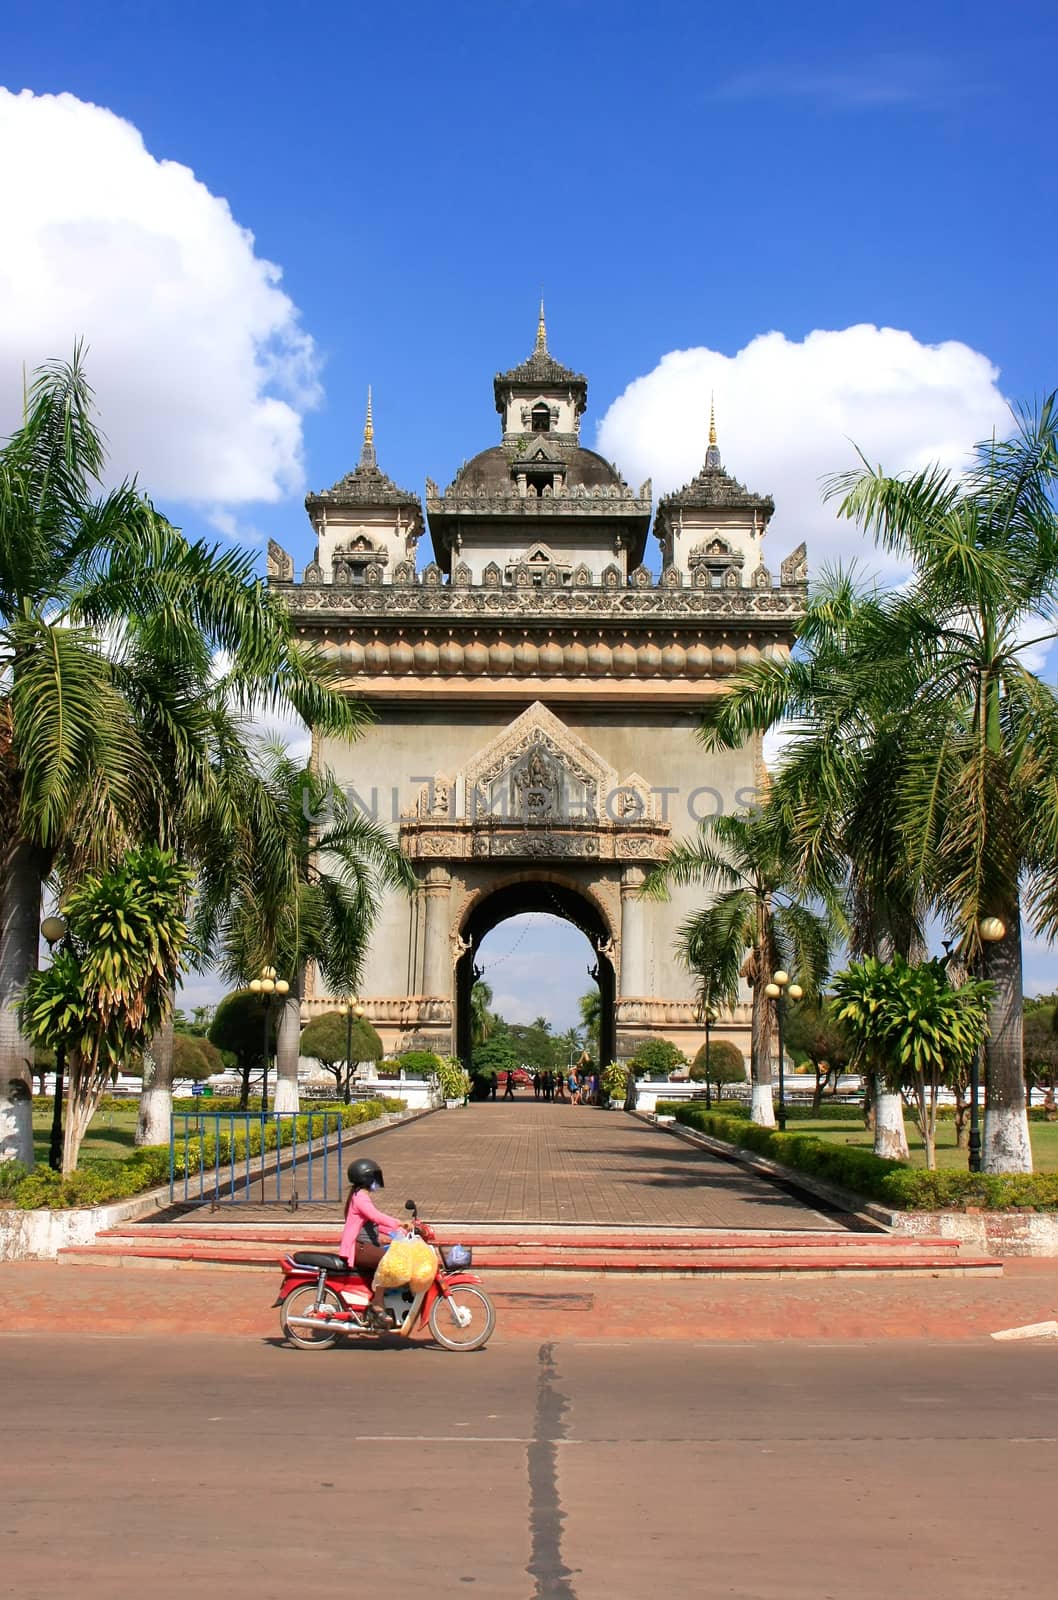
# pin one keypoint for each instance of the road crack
(551, 1577)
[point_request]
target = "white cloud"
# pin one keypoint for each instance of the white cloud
(200, 367)
(788, 413)
(880, 83)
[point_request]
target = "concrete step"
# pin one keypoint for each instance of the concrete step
(698, 1255)
(528, 1236)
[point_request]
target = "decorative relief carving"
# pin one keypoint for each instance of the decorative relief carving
(279, 565)
(611, 602)
(794, 570)
(500, 841)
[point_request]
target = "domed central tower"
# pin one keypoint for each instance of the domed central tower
(538, 510)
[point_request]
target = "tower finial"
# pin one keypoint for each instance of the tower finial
(541, 331)
(712, 455)
(367, 454)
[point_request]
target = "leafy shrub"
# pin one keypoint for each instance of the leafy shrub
(419, 1063)
(453, 1078)
(892, 1183)
(725, 1063)
(657, 1058)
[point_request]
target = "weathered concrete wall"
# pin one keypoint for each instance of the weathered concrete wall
(995, 1233)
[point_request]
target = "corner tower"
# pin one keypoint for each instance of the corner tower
(366, 528)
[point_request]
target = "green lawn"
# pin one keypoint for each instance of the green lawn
(851, 1131)
(110, 1133)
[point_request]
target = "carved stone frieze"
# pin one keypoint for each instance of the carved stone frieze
(432, 599)
(609, 842)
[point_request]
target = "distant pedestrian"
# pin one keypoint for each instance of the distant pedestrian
(508, 1088)
(536, 1086)
(549, 1086)
(574, 1089)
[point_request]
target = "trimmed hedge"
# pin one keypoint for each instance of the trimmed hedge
(102, 1180)
(891, 1183)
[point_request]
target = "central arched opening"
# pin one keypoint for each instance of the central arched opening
(553, 899)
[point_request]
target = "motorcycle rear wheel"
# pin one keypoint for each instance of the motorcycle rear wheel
(300, 1303)
(445, 1324)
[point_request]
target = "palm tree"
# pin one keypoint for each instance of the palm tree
(97, 590)
(755, 925)
(972, 778)
(301, 883)
(482, 1020)
(837, 785)
(590, 1007)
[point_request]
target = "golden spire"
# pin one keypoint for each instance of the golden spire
(367, 453)
(712, 454)
(541, 331)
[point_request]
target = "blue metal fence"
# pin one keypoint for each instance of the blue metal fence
(255, 1157)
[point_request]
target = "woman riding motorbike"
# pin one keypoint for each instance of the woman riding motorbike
(361, 1243)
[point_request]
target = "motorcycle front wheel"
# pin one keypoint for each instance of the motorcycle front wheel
(301, 1303)
(463, 1320)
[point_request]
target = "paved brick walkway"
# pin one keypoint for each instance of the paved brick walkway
(527, 1162)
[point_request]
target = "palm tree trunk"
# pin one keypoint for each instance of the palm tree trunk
(156, 1097)
(1006, 1137)
(288, 1043)
(762, 1106)
(20, 892)
(890, 1138)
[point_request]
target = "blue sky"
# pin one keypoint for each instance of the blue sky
(675, 179)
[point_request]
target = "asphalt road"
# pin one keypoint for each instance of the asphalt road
(561, 1471)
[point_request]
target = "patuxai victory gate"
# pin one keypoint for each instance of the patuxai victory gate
(536, 692)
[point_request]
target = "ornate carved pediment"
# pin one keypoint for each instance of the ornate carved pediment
(795, 568)
(279, 564)
(536, 792)
(537, 770)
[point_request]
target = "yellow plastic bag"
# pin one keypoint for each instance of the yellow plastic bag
(395, 1268)
(423, 1266)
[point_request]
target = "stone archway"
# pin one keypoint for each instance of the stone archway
(536, 892)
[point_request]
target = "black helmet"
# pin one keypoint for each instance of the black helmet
(363, 1173)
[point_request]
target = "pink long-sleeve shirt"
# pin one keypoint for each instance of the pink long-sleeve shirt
(362, 1211)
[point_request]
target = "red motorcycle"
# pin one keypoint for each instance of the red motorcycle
(322, 1299)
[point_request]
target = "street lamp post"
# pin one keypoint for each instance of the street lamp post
(267, 986)
(349, 1009)
(777, 990)
(54, 930)
(991, 930)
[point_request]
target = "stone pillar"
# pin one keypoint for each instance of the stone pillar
(437, 954)
(633, 935)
